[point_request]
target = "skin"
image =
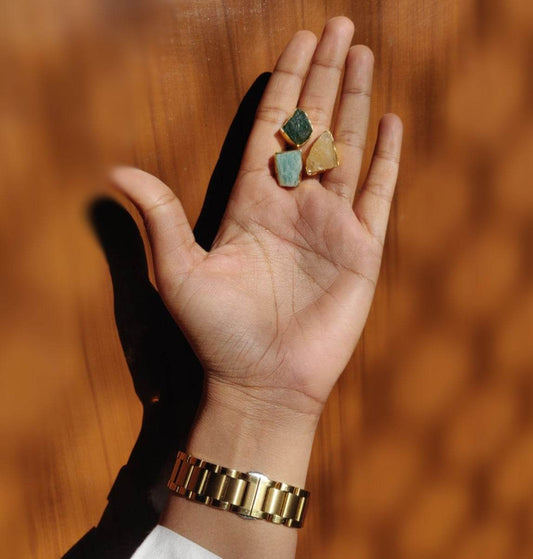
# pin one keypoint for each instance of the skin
(275, 309)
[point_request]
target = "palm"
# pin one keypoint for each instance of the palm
(281, 299)
(270, 290)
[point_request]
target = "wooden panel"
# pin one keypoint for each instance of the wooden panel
(426, 445)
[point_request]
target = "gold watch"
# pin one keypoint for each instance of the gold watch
(251, 495)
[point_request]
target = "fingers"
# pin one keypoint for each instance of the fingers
(351, 125)
(320, 90)
(279, 100)
(373, 206)
(284, 91)
(171, 239)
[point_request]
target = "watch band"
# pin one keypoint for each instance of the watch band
(251, 494)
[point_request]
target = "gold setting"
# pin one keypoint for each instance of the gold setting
(287, 137)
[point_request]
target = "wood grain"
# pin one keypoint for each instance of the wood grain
(426, 446)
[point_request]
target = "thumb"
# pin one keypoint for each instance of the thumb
(174, 249)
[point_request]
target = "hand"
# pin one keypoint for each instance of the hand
(276, 307)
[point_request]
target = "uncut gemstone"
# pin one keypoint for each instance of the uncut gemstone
(297, 129)
(322, 155)
(288, 167)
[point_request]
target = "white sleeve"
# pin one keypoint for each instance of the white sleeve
(162, 543)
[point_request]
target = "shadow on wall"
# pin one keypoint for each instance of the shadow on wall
(166, 373)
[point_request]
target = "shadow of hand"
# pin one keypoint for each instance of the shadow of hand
(166, 374)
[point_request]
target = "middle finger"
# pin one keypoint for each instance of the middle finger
(319, 92)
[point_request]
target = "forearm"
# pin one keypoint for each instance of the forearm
(247, 436)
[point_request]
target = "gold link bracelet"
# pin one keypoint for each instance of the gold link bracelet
(251, 495)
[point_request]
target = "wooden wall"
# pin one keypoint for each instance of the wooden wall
(426, 446)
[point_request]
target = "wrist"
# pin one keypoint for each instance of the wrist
(252, 433)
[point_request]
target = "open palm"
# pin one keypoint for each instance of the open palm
(275, 308)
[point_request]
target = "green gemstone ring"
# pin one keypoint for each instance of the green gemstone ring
(297, 128)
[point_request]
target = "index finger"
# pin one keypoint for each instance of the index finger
(279, 100)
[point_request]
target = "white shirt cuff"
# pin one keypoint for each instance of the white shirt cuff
(162, 543)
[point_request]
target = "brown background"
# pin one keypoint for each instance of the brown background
(426, 447)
